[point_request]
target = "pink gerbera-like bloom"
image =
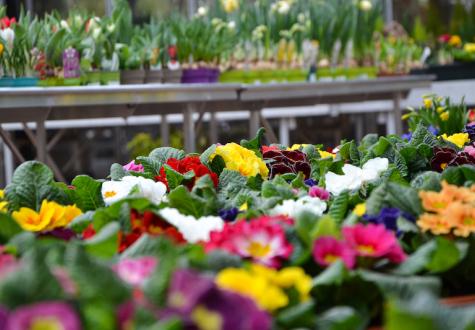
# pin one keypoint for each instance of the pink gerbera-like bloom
(374, 241)
(327, 250)
(133, 167)
(136, 271)
(261, 240)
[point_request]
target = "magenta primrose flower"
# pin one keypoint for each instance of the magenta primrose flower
(133, 167)
(374, 241)
(319, 192)
(44, 315)
(261, 240)
(136, 271)
(328, 249)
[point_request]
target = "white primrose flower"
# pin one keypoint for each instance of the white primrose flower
(113, 191)
(354, 177)
(293, 208)
(193, 230)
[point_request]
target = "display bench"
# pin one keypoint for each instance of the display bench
(38, 105)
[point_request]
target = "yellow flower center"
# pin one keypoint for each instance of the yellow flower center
(366, 249)
(330, 258)
(468, 221)
(206, 319)
(109, 194)
(46, 323)
(440, 205)
(257, 250)
(443, 166)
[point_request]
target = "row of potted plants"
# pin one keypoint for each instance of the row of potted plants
(266, 41)
(252, 236)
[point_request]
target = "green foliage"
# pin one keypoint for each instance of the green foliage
(32, 183)
(87, 193)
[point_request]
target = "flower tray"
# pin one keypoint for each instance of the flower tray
(456, 71)
(19, 82)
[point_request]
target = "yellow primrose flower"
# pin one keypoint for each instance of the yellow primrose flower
(265, 294)
(295, 277)
(3, 204)
(440, 110)
(455, 41)
(469, 47)
(297, 146)
(51, 216)
(326, 154)
(243, 160)
(243, 207)
(444, 116)
(459, 139)
(360, 209)
(2, 47)
(428, 103)
(230, 5)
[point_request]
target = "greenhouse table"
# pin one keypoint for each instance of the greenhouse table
(38, 104)
(257, 97)
(23, 105)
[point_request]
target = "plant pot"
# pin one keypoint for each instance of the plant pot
(19, 82)
(92, 78)
(110, 78)
(233, 76)
(132, 77)
(172, 76)
(196, 76)
(214, 75)
(153, 76)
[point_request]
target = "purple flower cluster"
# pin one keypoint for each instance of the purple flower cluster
(388, 217)
(191, 294)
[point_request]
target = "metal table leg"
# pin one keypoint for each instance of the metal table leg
(189, 128)
(397, 113)
(213, 128)
(164, 131)
(254, 122)
(41, 143)
(284, 131)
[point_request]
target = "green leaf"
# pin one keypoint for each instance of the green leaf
(404, 198)
(117, 172)
(339, 207)
(8, 228)
(204, 158)
(181, 199)
(427, 181)
(106, 286)
(341, 318)
(88, 196)
(256, 143)
(422, 136)
(299, 316)
(459, 175)
(375, 202)
(402, 286)
(80, 223)
(105, 243)
(165, 153)
(174, 178)
(334, 274)
(446, 255)
(151, 165)
(33, 282)
(326, 226)
(31, 183)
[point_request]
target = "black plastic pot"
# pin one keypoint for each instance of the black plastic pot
(456, 71)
